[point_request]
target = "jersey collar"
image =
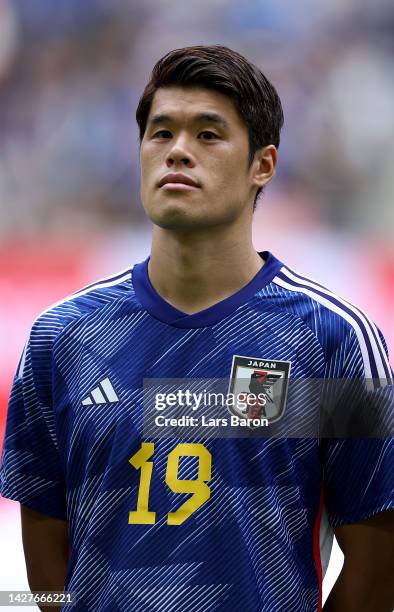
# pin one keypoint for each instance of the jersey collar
(159, 308)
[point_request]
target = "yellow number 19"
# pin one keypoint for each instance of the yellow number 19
(199, 489)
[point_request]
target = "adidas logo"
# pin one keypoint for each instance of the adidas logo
(104, 393)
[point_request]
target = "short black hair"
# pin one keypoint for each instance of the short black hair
(227, 71)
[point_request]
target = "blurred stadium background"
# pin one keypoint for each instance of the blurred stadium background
(71, 73)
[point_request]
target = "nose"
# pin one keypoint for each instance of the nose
(179, 153)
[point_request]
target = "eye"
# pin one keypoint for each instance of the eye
(162, 134)
(211, 135)
(205, 135)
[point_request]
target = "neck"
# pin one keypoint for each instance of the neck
(194, 270)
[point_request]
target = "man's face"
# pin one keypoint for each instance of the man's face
(198, 133)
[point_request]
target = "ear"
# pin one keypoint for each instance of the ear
(263, 165)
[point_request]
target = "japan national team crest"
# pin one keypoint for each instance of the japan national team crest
(260, 387)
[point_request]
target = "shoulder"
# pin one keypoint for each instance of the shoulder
(338, 323)
(86, 301)
(304, 291)
(92, 300)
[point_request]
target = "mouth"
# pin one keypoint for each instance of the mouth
(178, 187)
(177, 181)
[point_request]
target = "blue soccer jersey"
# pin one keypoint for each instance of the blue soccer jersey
(208, 523)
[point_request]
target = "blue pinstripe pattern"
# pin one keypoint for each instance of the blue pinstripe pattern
(250, 546)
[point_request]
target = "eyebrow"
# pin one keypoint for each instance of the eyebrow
(207, 117)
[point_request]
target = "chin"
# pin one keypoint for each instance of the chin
(172, 215)
(174, 220)
(184, 215)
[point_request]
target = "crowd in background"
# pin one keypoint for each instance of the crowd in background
(71, 73)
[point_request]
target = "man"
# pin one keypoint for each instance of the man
(222, 523)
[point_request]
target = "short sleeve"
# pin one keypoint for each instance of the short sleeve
(31, 470)
(358, 470)
(358, 478)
